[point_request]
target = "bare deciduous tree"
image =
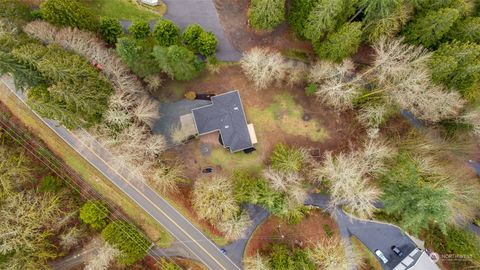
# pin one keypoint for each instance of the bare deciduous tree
(70, 238)
(348, 175)
(263, 66)
(146, 110)
(256, 262)
(213, 199)
(165, 178)
(236, 227)
(331, 254)
(25, 216)
(179, 134)
(154, 82)
(105, 255)
(402, 72)
(336, 85)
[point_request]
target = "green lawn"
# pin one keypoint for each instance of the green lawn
(284, 113)
(125, 9)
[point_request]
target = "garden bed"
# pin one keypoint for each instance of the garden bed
(317, 225)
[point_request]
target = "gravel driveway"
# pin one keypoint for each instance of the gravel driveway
(203, 12)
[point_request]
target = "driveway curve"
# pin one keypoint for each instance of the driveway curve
(203, 12)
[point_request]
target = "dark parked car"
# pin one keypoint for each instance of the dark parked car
(207, 170)
(397, 251)
(223, 251)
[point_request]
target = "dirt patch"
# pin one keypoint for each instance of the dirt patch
(316, 226)
(272, 111)
(233, 16)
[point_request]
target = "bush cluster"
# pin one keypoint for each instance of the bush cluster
(95, 214)
(198, 40)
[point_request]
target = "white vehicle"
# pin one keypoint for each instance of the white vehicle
(381, 256)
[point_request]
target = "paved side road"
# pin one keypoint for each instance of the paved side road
(190, 237)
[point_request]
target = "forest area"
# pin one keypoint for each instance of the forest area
(385, 93)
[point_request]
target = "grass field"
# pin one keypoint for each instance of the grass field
(286, 114)
(125, 9)
(88, 173)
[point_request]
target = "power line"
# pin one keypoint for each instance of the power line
(88, 190)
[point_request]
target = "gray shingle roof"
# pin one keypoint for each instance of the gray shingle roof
(226, 115)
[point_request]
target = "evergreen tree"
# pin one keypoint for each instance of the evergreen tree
(178, 62)
(298, 14)
(68, 13)
(78, 94)
(383, 17)
(467, 30)
(137, 54)
(266, 14)
(125, 237)
(340, 44)
(166, 33)
(457, 65)
(428, 30)
(326, 16)
(414, 199)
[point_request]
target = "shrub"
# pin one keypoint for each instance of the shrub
(287, 159)
(298, 14)
(139, 30)
(428, 30)
(207, 44)
(190, 36)
(456, 241)
(456, 65)
(266, 14)
(95, 214)
(178, 62)
(166, 33)
(125, 237)
(340, 44)
(467, 30)
(68, 13)
(282, 258)
(14, 9)
(248, 189)
(110, 29)
(51, 183)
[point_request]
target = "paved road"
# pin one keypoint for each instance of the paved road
(203, 12)
(201, 248)
(380, 236)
